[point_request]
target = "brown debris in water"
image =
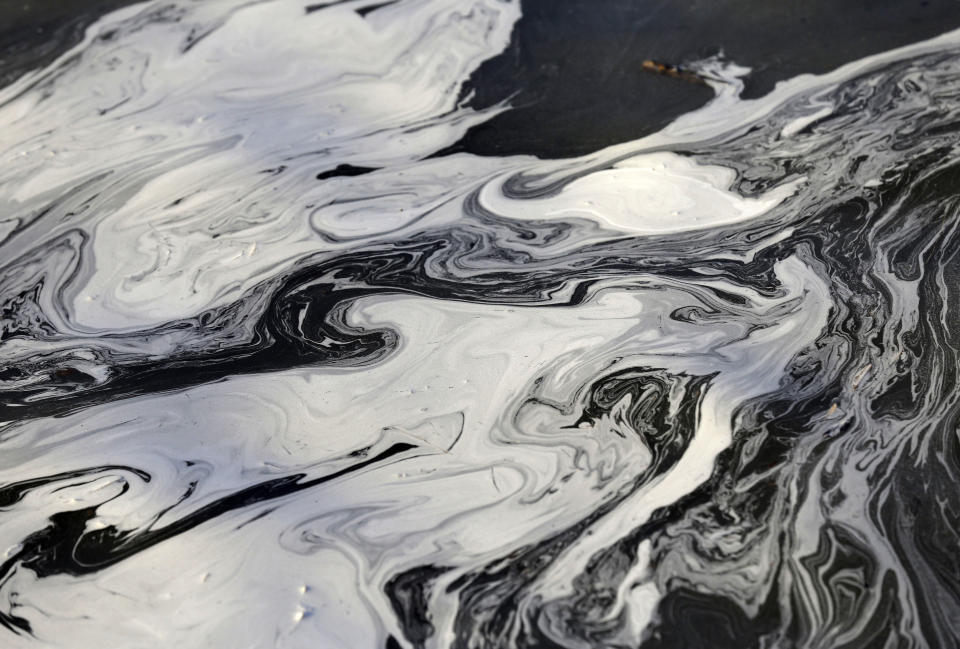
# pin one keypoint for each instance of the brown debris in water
(673, 71)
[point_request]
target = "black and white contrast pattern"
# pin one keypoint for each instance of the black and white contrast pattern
(282, 368)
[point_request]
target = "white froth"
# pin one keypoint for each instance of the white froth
(484, 482)
(188, 212)
(652, 193)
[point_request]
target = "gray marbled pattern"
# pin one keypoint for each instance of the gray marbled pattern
(276, 376)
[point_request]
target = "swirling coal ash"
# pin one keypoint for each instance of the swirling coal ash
(694, 390)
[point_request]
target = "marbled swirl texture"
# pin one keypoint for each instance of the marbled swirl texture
(275, 375)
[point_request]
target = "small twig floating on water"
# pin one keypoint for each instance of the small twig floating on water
(673, 71)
